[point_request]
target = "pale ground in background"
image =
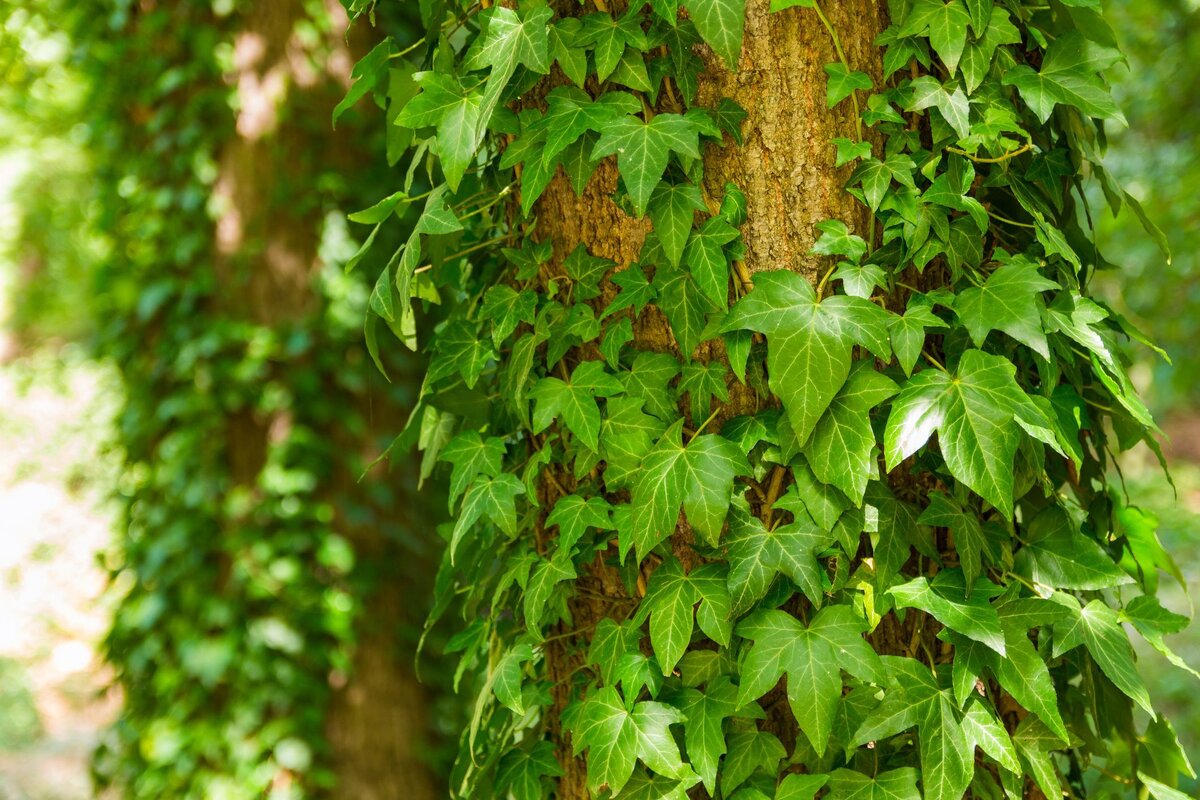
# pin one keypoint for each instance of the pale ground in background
(53, 522)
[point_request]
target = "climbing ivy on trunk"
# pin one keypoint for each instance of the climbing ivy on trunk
(738, 528)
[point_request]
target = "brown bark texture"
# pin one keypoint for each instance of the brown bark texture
(786, 170)
(267, 233)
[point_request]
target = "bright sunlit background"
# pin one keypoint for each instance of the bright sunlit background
(56, 403)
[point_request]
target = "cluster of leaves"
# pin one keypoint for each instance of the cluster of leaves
(237, 599)
(883, 494)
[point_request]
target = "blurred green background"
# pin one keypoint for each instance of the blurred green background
(59, 398)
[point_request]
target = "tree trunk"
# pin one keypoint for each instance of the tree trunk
(267, 237)
(786, 170)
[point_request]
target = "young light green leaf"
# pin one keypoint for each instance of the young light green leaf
(842, 451)
(670, 600)
(574, 402)
(947, 599)
(842, 83)
(1010, 301)
(643, 149)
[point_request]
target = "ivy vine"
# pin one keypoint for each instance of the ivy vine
(910, 527)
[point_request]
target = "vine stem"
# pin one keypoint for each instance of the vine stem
(1025, 148)
(704, 424)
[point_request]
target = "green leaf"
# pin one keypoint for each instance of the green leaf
(586, 271)
(670, 600)
(699, 477)
(896, 784)
(750, 752)
(512, 39)
(471, 456)
(643, 149)
(494, 498)
(801, 787)
(837, 240)
(950, 100)
(507, 308)
(811, 656)
(574, 515)
(702, 382)
(973, 414)
(627, 434)
(810, 341)
(455, 111)
(1069, 75)
(947, 599)
(522, 771)
(570, 113)
(720, 23)
(703, 729)
(964, 524)
(609, 36)
(686, 307)
(842, 83)
(507, 677)
(459, 350)
(705, 258)
(876, 177)
(636, 291)
(981, 727)
(841, 451)
(1057, 555)
(574, 402)
(757, 554)
(1153, 622)
(616, 738)
(947, 755)
(945, 23)
(673, 210)
(1010, 301)
(1098, 627)
(908, 332)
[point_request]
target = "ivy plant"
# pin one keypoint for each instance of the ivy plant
(855, 535)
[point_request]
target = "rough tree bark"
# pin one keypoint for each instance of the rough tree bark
(266, 241)
(786, 170)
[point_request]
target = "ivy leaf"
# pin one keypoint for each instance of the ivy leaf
(876, 176)
(720, 23)
(989, 735)
(804, 787)
(494, 498)
(896, 784)
(512, 40)
(627, 434)
(968, 534)
(669, 603)
(471, 455)
(811, 656)
(706, 259)
(841, 451)
(947, 755)
(951, 103)
(842, 83)
(973, 415)
(507, 308)
(1056, 554)
(609, 36)
(947, 599)
(455, 111)
(616, 738)
(1068, 76)
(570, 113)
(507, 677)
(574, 402)
(673, 210)
(859, 280)
(522, 770)
(1099, 628)
(908, 332)
(704, 736)
(702, 382)
(574, 515)
(643, 149)
(977, 59)
(610, 642)
(459, 350)
(809, 341)
(636, 291)
(699, 477)
(749, 752)
(837, 240)
(757, 554)
(686, 307)
(1023, 674)
(1010, 301)
(1153, 622)
(946, 25)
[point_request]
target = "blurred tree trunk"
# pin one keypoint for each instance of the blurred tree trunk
(267, 237)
